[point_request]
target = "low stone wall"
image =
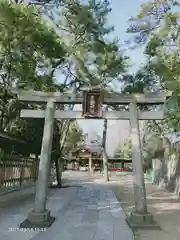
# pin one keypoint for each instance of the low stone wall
(17, 193)
(167, 173)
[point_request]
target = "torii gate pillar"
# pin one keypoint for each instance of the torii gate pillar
(40, 216)
(140, 218)
(137, 162)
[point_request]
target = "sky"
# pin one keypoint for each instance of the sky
(122, 10)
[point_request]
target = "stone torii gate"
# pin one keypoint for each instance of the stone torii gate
(40, 216)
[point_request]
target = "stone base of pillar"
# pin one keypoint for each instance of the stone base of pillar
(139, 220)
(38, 220)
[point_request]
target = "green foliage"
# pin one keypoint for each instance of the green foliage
(28, 45)
(33, 50)
(143, 81)
(125, 151)
(166, 64)
(90, 59)
(150, 18)
(75, 136)
(31, 131)
(153, 45)
(29, 48)
(162, 51)
(84, 28)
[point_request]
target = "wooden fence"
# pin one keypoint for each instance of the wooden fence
(16, 170)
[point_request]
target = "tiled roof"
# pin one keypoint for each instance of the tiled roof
(90, 147)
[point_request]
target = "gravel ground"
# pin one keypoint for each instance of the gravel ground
(164, 206)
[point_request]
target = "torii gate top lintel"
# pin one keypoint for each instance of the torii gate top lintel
(92, 101)
(77, 98)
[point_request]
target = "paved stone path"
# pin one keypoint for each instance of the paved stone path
(89, 211)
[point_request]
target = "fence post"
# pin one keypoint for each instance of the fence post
(2, 172)
(21, 173)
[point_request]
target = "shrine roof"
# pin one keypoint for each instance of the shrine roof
(89, 148)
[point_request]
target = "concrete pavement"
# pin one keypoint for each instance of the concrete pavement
(83, 210)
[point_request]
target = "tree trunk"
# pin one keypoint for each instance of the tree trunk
(105, 157)
(58, 172)
(64, 128)
(36, 167)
